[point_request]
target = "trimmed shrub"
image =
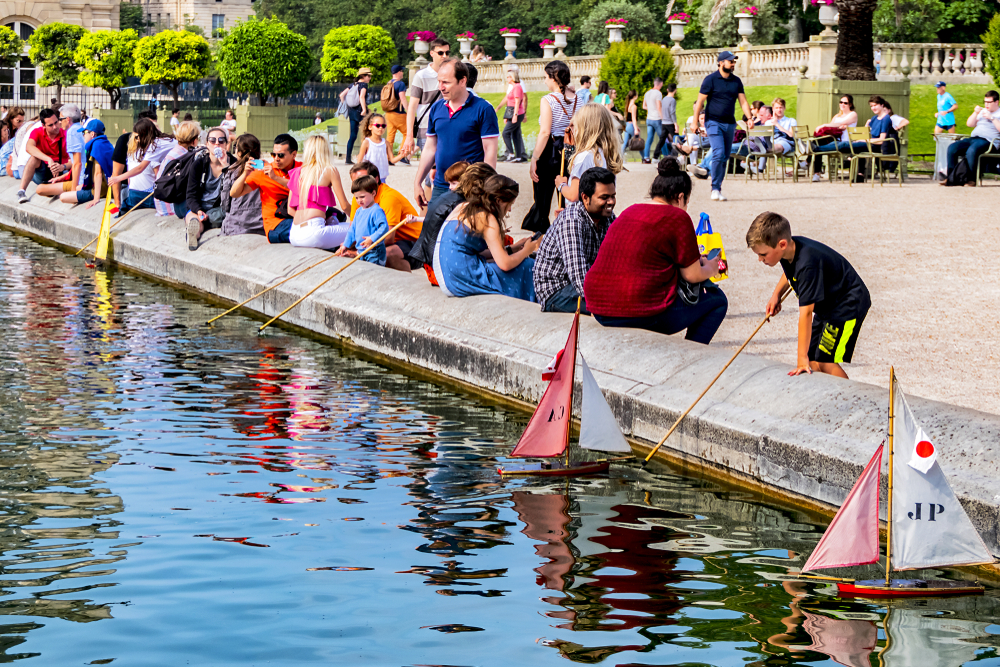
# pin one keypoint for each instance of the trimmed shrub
(641, 24)
(633, 66)
(264, 57)
(348, 49)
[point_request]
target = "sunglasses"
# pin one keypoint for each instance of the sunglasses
(62, 118)
(216, 140)
(844, 102)
(278, 155)
(443, 53)
(379, 125)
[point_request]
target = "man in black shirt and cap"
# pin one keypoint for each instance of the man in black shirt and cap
(719, 93)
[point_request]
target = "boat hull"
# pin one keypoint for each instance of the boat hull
(555, 468)
(909, 588)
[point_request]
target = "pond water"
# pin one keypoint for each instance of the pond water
(176, 494)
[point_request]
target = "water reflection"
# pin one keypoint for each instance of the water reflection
(274, 499)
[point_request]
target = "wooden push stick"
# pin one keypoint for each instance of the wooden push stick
(278, 284)
(562, 169)
(799, 575)
(122, 217)
(702, 394)
(335, 274)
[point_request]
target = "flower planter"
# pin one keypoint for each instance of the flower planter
(560, 42)
(828, 16)
(676, 34)
(614, 33)
(421, 48)
(548, 52)
(465, 48)
(745, 28)
(510, 45)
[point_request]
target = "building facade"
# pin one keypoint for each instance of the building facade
(209, 15)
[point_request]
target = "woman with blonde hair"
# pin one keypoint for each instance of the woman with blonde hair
(597, 145)
(312, 188)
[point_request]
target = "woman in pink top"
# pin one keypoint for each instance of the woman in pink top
(311, 190)
(516, 103)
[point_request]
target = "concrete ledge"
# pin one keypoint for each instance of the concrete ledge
(808, 436)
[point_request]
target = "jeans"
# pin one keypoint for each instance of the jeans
(437, 191)
(840, 147)
(701, 320)
(513, 140)
(131, 199)
(652, 126)
(629, 133)
(720, 136)
(354, 115)
(972, 148)
(666, 134)
(564, 301)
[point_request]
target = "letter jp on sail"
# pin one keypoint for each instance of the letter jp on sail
(929, 526)
(598, 426)
(852, 538)
(547, 433)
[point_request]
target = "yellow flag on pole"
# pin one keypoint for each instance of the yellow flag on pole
(104, 236)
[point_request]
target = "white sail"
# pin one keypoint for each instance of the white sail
(925, 638)
(598, 426)
(929, 525)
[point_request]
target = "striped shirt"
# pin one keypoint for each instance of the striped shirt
(562, 113)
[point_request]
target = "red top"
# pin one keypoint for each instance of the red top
(635, 274)
(54, 148)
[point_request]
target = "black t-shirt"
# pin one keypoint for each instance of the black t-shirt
(822, 277)
(722, 95)
(120, 155)
(397, 88)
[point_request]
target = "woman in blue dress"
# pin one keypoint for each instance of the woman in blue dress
(470, 257)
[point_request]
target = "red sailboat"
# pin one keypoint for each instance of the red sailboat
(927, 525)
(547, 433)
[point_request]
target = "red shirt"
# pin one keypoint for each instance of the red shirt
(635, 274)
(54, 148)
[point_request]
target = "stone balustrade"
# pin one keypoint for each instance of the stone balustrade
(493, 74)
(929, 63)
(769, 65)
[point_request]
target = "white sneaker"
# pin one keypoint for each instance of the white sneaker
(722, 197)
(817, 178)
(753, 168)
(715, 195)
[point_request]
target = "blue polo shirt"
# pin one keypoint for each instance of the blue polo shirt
(460, 133)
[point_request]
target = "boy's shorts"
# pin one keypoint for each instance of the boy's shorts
(833, 342)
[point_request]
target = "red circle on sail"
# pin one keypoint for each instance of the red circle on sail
(924, 449)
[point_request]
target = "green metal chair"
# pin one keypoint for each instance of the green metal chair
(992, 154)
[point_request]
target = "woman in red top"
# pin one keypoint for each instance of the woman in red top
(633, 282)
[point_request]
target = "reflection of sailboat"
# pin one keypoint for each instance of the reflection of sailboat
(927, 526)
(847, 642)
(546, 520)
(547, 434)
(922, 637)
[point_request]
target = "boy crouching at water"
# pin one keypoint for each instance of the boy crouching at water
(369, 224)
(833, 300)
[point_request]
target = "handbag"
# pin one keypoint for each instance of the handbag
(636, 143)
(828, 131)
(508, 113)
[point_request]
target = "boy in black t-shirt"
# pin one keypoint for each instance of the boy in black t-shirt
(833, 300)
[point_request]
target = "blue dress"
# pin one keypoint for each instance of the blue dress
(462, 271)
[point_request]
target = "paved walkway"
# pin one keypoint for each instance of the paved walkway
(926, 253)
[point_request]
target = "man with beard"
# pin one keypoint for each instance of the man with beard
(718, 95)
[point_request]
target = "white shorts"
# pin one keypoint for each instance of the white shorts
(315, 233)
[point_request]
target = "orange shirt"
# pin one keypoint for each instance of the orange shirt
(396, 208)
(270, 194)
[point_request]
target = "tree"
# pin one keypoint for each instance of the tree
(720, 25)
(266, 58)
(908, 21)
(52, 47)
(991, 53)
(641, 24)
(347, 49)
(855, 44)
(11, 47)
(106, 59)
(172, 57)
(131, 17)
(634, 65)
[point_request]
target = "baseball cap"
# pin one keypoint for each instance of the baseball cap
(726, 55)
(396, 69)
(93, 125)
(940, 84)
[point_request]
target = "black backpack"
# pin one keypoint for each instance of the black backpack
(960, 175)
(171, 184)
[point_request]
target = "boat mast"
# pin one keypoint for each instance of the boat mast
(576, 346)
(888, 532)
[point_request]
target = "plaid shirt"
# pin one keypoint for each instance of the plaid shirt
(568, 250)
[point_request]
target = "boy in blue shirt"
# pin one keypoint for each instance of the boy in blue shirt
(369, 224)
(946, 106)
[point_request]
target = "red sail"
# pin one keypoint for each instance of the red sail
(548, 431)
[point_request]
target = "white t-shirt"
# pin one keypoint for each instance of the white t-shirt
(229, 125)
(651, 97)
(584, 161)
(896, 120)
(425, 88)
(145, 181)
(787, 124)
(174, 122)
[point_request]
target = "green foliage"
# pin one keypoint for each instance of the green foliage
(724, 32)
(633, 66)
(106, 59)
(10, 46)
(921, 21)
(131, 17)
(264, 57)
(347, 49)
(52, 47)
(172, 57)
(991, 53)
(190, 26)
(641, 24)
(966, 20)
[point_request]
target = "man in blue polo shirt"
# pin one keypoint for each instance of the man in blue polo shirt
(461, 127)
(721, 90)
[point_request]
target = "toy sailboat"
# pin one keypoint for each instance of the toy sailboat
(927, 526)
(547, 434)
